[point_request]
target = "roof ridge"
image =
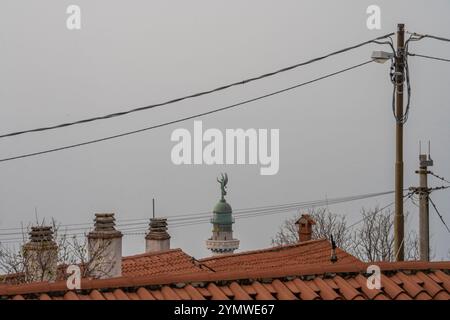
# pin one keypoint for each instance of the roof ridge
(149, 254)
(270, 249)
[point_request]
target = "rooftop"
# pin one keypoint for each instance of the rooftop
(399, 281)
(308, 253)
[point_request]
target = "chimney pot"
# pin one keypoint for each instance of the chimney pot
(157, 239)
(40, 255)
(105, 247)
(305, 223)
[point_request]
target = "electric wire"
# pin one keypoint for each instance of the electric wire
(185, 118)
(428, 57)
(438, 213)
(195, 95)
(439, 177)
(240, 215)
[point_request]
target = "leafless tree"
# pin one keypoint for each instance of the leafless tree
(14, 261)
(370, 240)
(327, 223)
(373, 240)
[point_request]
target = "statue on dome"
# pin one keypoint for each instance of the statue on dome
(223, 184)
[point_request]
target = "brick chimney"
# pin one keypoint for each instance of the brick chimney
(105, 248)
(41, 255)
(157, 239)
(305, 224)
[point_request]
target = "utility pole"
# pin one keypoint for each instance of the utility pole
(425, 161)
(399, 79)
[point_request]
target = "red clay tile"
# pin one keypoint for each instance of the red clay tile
(429, 285)
(182, 294)
(261, 292)
(306, 293)
(144, 294)
(44, 296)
(238, 292)
(390, 287)
(157, 294)
(120, 295)
(70, 295)
(411, 287)
(326, 292)
(444, 278)
(193, 293)
(96, 295)
(216, 293)
(169, 294)
(282, 292)
(346, 289)
(227, 291)
(109, 296)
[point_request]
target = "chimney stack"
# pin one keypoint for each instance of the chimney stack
(105, 248)
(41, 255)
(157, 238)
(305, 224)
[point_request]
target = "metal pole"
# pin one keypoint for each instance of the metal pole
(399, 77)
(153, 203)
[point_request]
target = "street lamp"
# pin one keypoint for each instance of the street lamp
(381, 56)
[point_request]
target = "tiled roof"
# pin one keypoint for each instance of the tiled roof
(399, 281)
(310, 253)
(174, 261)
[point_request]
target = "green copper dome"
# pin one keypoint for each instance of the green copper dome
(222, 207)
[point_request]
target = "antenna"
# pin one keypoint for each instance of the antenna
(420, 147)
(153, 202)
(429, 150)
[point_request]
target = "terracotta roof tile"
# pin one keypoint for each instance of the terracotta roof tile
(120, 295)
(216, 293)
(157, 294)
(326, 292)
(444, 278)
(412, 288)
(431, 287)
(144, 294)
(283, 292)
(238, 292)
(193, 293)
(205, 293)
(227, 291)
(96, 295)
(44, 296)
(347, 289)
(169, 293)
(261, 292)
(306, 293)
(291, 272)
(70, 295)
(109, 296)
(310, 253)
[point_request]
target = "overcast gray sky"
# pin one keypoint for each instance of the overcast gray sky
(336, 136)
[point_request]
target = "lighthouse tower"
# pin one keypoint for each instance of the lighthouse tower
(222, 241)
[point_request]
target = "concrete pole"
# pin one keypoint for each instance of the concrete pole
(424, 229)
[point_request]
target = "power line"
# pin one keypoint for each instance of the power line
(199, 94)
(428, 57)
(439, 177)
(417, 36)
(186, 118)
(440, 216)
(407, 196)
(240, 214)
